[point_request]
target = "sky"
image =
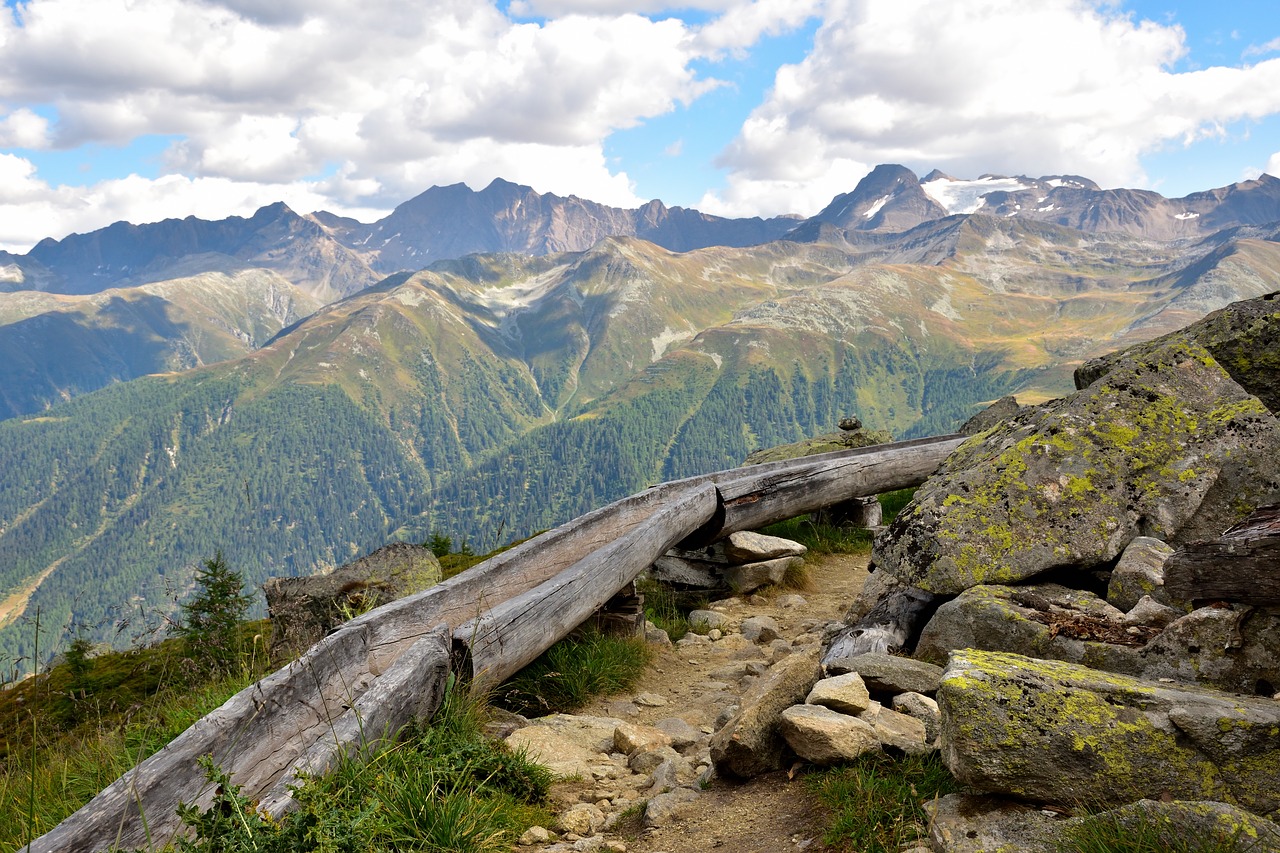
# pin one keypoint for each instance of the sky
(139, 110)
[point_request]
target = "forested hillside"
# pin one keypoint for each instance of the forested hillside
(487, 398)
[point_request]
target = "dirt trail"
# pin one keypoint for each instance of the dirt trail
(769, 814)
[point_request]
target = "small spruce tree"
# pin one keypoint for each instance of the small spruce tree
(210, 620)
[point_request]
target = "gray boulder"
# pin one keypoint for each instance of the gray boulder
(888, 674)
(745, 546)
(749, 743)
(1215, 825)
(1163, 445)
(683, 572)
(751, 576)
(1140, 572)
(844, 693)
(1055, 732)
(896, 730)
(303, 610)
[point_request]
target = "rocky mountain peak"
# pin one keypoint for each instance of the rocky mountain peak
(889, 198)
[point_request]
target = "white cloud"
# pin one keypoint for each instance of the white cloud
(1273, 165)
(24, 129)
(998, 86)
(403, 93)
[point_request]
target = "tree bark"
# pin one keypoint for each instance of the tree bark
(1243, 565)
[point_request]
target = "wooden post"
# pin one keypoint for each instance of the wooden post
(1243, 565)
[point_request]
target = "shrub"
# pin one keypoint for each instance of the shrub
(210, 620)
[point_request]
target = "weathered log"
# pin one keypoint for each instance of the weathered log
(888, 627)
(412, 688)
(763, 494)
(1242, 565)
(260, 732)
(508, 637)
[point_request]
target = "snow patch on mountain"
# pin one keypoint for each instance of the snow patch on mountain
(967, 196)
(875, 208)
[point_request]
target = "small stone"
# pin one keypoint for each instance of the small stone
(582, 820)
(844, 693)
(792, 601)
(650, 700)
(629, 738)
(657, 637)
(715, 634)
(682, 734)
(648, 761)
(761, 629)
(705, 620)
(692, 639)
(664, 807)
(534, 835)
(922, 708)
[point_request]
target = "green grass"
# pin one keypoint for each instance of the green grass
(567, 675)
(665, 609)
(1140, 832)
(876, 801)
(822, 538)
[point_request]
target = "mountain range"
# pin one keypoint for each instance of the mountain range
(487, 396)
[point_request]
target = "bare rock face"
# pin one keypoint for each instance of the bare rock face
(305, 609)
(1053, 732)
(1166, 444)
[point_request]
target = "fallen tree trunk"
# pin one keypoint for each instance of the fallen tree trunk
(764, 494)
(1242, 565)
(504, 640)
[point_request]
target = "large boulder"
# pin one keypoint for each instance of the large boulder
(1164, 445)
(303, 610)
(1054, 732)
(1243, 337)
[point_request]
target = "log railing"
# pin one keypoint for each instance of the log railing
(363, 682)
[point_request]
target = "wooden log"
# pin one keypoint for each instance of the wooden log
(412, 688)
(1243, 565)
(890, 626)
(507, 638)
(763, 494)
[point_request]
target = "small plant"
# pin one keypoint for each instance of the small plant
(1144, 832)
(662, 609)
(569, 673)
(823, 538)
(876, 801)
(210, 620)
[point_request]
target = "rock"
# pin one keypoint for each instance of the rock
(657, 637)
(1151, 613)
(875, 589)
(751, 576)
(791, 601)
(650, 700)
(304, 609)
(761, 629)
(889, 674)
(1055, 732)
(1165, 445)
(649, 760)
(732, 643)
(1041, 620)
(896, 730)
(1140, 572)
(630, 738)
(1232, 649)
(684, 572)
(824, 736)
(703, 620)
(534, 835)
(747, 547)
(671, 774)
(568, 745)
(1244, 338)
(748, 744)
(850, 423)
(844, 693)
(665, 808)
(682, 734)
(966, 823)
(825, 443)
(1209, 823)
(582, 819)
(1000, 410)
(922, 708)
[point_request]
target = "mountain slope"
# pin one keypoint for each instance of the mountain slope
(54, 347)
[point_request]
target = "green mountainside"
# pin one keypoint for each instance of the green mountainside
(54, 347)
(491, 396)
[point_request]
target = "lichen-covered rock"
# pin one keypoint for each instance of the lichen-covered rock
(1227, 648)
(824, 736)
(1041, 620)
(826, 443)
(749, 744)
(305, 609)
(1163, 445)
(888, 674)
(1000, 410)
(1209, 823)
(1243, 337)
(1139, 572)
(1055, 732)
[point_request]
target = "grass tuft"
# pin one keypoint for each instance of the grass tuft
(567, 675)
(876, 801)
(1142, 832)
